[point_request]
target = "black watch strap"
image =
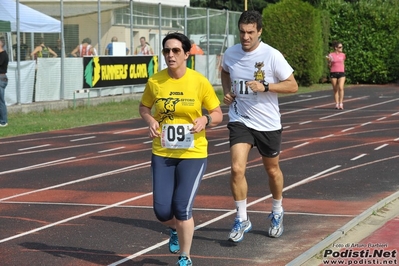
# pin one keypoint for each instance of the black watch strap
(266, 85)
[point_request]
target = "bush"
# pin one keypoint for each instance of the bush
(295, 28)
(369, 30)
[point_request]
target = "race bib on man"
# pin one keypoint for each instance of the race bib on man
(242, 91)
(177, 136)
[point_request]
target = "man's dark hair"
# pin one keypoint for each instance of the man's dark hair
(86, 40)
(251, 17)
(185, 41)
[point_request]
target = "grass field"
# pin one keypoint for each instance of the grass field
(34, 122)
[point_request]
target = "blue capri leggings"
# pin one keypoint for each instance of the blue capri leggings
(175, 184)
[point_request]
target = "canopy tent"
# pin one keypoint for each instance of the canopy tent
(30, 20)
(5, 26)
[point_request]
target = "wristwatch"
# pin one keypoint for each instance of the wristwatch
(266, 85)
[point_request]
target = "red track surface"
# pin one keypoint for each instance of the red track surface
(83, 196)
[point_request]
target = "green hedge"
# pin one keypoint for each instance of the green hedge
(369, 30)
(295, 28)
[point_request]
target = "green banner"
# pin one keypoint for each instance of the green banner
(5, 26)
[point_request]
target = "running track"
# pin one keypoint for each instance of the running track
(83, 196)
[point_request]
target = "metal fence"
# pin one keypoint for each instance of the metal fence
(213, 30)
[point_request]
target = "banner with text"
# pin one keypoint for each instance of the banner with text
(105, 71)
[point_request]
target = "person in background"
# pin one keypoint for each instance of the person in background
(177, 95)
(24, 51)
(144, 48)
(253, 75)
(3, 84)
(336, 64)
(4, 43)
(195, 49)
(109, 49)
(84, 49)
(42, 51)
(57, 49)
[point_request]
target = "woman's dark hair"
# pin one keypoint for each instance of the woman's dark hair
(251, 17)
(336, 44)
(185, 41)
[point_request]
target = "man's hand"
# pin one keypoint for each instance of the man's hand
(229, 98)
(255, 86)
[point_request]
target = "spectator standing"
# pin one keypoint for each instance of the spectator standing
(109, 48)
(195, 49)
(144, 48)
(253, 74)
(42, 51)
(3, 84)
(177, 95)
(336, 62)
(57, 49)
(84, 49)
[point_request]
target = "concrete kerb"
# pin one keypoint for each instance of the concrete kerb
(313, 251)
(64, 104)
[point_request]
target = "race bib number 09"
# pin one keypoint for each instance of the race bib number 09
(177, 136)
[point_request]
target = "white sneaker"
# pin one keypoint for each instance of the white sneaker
(238, 230)
(276, 224)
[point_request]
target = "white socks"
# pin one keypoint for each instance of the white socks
(241, 207)
(277, 206)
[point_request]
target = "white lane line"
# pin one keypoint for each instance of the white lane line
(300, 145)
(128, 168)
(382, 118)
(367, 123)
(286, 127)
(319, 106)
(360, 108)
(35, 166)
(115, 149)
(305, 100)
(328, 136)
(347, 129)
(380, 147)
(306, 122)
(396, 139)
(358, 157)
(34, 147)
(396, 113)
(217, 127)
(222, 143)
(72, 218)
(219, 218)
(130, 130)
(73, 140)
(147, 142)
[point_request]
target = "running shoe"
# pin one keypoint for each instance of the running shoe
(238, 230)
(341, 106)
(173, 242)
(3, 124)
(276, 225)
(337, 106)
(184, 261)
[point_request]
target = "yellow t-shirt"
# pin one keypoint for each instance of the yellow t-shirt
(179, 102)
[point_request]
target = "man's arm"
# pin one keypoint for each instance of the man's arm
(226, 82)
(74, 51)
(286, 86)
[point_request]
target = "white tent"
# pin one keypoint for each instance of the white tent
(30, 20)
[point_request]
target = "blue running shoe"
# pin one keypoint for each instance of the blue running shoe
(184, 261)
(238, 230)
(173, 242)
(276, 224)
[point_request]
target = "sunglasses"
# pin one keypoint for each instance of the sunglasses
(175, 50)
